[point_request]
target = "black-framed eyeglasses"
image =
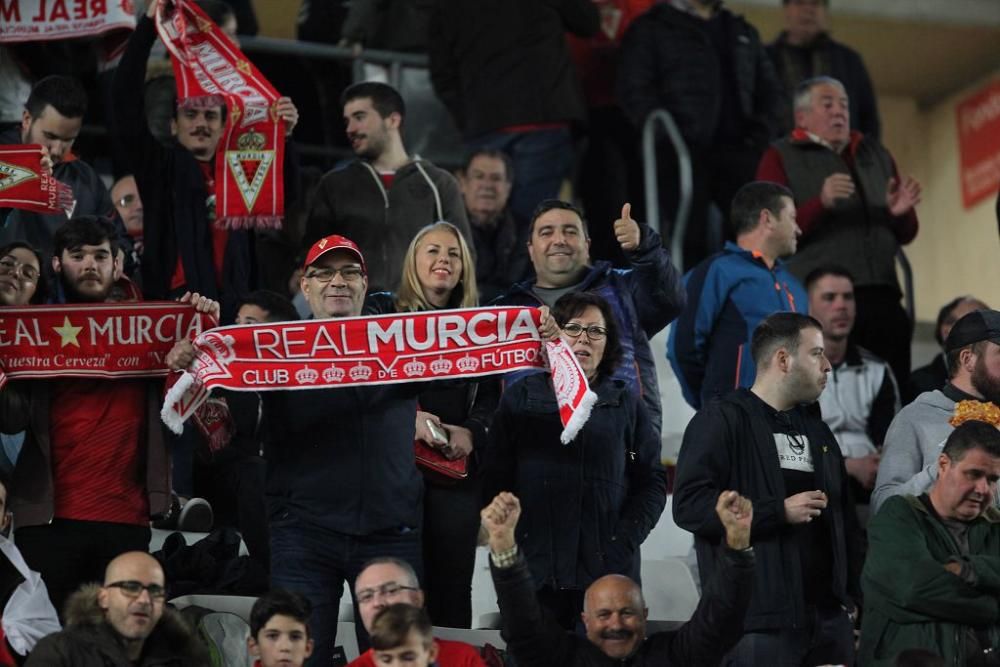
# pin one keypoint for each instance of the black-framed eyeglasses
(390, 589)
(27, 272)
(127, 200)
(134, 589)
(593, 332)
(350, 274)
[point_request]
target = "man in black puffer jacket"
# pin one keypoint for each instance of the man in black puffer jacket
(707, 67)
(122, 623)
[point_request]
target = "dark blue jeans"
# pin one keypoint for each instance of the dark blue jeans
(827, 639)
(315, 562)
(543, 159)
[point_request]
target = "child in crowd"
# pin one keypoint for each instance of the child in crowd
(401, 635)
(279, 630)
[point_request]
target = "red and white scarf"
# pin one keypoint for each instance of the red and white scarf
(211, 71)
(43, 20)
(105, 341)
(384, 349)
(24, 184)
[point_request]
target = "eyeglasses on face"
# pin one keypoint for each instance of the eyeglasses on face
(593, 332)
(134, 589)
(127, 200)
(350, 274)
(390, 589)
(27, 272)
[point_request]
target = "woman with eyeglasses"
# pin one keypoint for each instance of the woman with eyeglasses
(588, 505)
(21, 278)
(22, 283)
(453, 416)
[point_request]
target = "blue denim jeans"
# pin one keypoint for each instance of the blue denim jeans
(827, 639)
(315, 562)
(543, 159)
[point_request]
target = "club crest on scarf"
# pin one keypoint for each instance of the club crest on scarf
(211, 71)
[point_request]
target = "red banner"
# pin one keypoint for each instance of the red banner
(24, 184)
(120, 340)
(211, 70)
(978, 119)
(41, 20)
(385, 349)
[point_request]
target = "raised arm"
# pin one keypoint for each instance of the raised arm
(532, 636)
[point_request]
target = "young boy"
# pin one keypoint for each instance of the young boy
(279, 630)
(401, 635)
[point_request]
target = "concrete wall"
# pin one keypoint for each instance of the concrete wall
(957, 250)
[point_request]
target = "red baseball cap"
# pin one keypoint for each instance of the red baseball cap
(331, 243)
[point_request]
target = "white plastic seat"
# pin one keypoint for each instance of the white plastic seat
(669, 589)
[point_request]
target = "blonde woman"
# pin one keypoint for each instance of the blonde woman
(439, 273)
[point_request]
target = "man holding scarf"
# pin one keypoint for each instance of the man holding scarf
(94, 467)
(178, 186)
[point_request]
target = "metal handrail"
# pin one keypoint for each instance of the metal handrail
(292, 47)
(649, 168)
(908, 296)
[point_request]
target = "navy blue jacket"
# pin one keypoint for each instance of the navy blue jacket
(728, 294)
(645, 299)
(343, 458)
(587, 505)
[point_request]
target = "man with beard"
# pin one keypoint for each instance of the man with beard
(93, 468)
(385, 196)
(930, 576)
(913, 443)
(177, 185)
(768, 445)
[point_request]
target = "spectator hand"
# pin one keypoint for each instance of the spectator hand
(902, 196)
(202, 304)
(423, 432)
(864, 469)
(627, 230)
(547, 326)
(459, 442)
(46, 161)
(736, 514)
(836, 186)
(500, 518)
(286, 110)
(804, 507)
(180, 356)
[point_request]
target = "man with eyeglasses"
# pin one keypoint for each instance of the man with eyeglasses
(388, 581)
(769, 444)
(342, 485)
(122, 622)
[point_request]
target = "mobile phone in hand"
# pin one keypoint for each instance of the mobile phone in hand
(440, 435)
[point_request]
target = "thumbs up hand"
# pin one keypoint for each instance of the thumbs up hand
(627, 230)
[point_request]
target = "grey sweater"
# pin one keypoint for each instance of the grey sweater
(912, 444)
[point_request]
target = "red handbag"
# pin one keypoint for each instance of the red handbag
(437, 467)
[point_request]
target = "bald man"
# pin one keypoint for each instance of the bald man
(123, 622)
(614, 610)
